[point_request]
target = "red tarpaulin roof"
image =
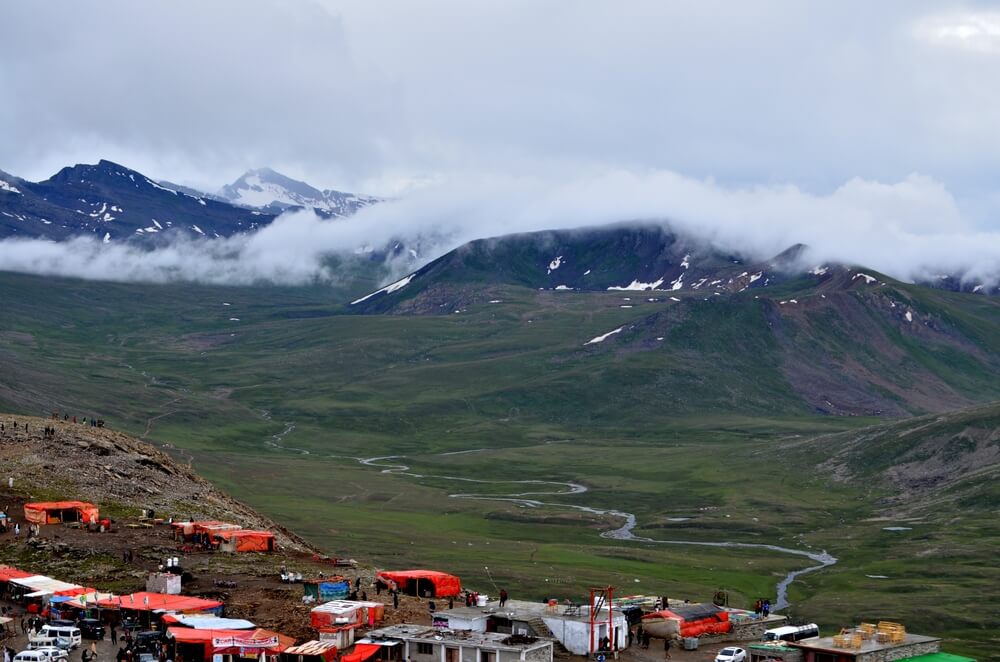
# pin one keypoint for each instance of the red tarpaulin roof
(144, 601)
(361, 653)
(79, 590)
(444, 584)
(205, 637)
(36, 512)
(8, 573)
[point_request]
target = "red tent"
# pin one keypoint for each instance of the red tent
(326, 650)
(144, 601)
(693, 621)
(8, 573)
(231, 642)
(422, 582)
(361, 653)
(245, 541)
(54, 512)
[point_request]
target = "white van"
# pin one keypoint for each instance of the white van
(49, 654)
(792, 633)
(69, 633)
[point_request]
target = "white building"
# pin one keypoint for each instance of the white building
(570, 626)
(429, 644)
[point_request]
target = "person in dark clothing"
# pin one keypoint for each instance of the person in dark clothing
(767, 607)
(666, 648)
(503, 597)
(357, 583)
(114, 635)
(395, 599)
(645, 639)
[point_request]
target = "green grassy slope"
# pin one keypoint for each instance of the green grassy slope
(678, 415)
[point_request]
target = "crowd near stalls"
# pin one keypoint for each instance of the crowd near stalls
(457, 625)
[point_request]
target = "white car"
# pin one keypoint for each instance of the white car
(46, 654)
(731, 654)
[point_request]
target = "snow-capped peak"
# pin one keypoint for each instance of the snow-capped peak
(264, 187)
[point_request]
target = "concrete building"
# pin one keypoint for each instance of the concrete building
(569, 625)
(828, 649)
(433, 644)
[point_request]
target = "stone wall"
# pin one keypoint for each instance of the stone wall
(900, 652)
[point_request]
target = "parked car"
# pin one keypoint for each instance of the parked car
(731, 654)
(46, 654)
(70, 632)
(91, 628)
(42, 641)
(148, 642)
(147, 657)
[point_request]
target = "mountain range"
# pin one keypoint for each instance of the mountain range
(114, 203)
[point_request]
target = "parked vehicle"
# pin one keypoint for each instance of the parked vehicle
(41, 641)
(792, 633)
(45, 654)
(91, 628)
(731, 654)
(72, 633)
(148, 642)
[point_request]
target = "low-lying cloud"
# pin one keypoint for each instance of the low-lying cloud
(909, 229)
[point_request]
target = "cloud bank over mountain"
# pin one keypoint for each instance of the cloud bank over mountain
(909, 229)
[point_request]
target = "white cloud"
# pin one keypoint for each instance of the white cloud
(970, 31)
(906, 229)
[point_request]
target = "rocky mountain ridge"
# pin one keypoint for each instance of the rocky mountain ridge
(108, 467)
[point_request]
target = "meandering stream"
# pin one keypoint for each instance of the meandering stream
(390, 464)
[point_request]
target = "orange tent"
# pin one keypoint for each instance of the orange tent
(361, 653)
(422, 582)
(231, 642)
(8, 573)
(54, 512)
(245, 541)
(144, 601)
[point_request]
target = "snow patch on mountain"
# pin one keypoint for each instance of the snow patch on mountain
(10, 188)
(636, 285)
(388, 289)
(603, 337)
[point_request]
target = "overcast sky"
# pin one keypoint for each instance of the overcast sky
(392, 97)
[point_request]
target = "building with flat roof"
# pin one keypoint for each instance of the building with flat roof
(833, 649)
(569, 624)
(431, 644)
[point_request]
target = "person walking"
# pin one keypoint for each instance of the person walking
(395, 599)
(767, 607)
(114, 635)
(503, 597)
(666, 648)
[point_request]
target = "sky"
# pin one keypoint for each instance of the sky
(762, 120)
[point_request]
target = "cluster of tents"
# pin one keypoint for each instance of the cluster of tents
(225, 536)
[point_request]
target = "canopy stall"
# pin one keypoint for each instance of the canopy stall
(54, 512)
(144, 601)
(330, 588)
(190, 529)
(346, 612)
(423, 583)
(244, 541)
(311, 651)
(235, 643)
(687, 621)
(206, 622)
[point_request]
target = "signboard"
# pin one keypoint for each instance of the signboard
(244, 643)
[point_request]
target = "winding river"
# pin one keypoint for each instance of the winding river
(390, 464)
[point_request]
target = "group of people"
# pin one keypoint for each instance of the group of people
(762, 608)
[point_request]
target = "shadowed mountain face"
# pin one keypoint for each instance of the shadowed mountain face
(842, 341)
(113, 203)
